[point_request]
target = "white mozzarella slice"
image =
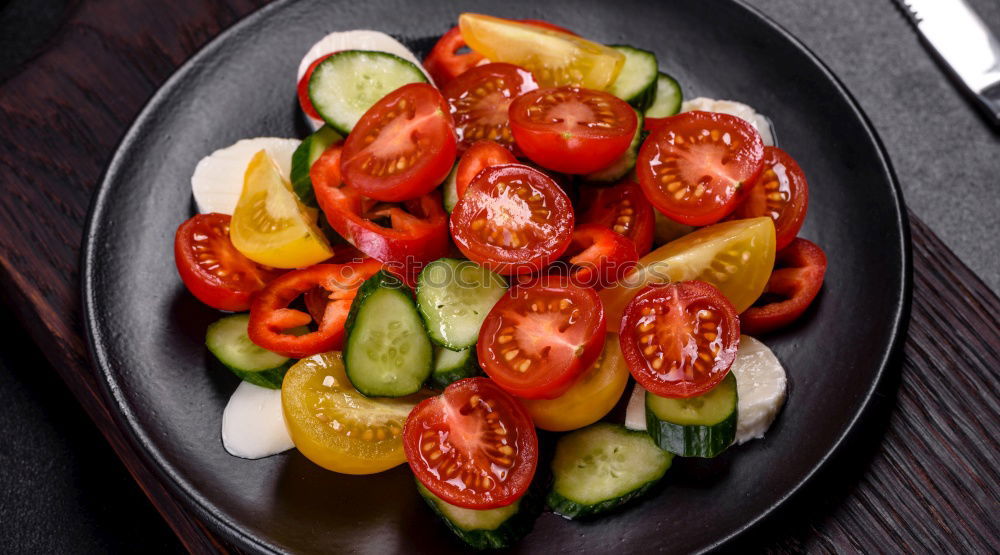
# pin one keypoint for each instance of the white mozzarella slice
(218, 178)
(733, 108)
(253, 425)
(635, 414)
(761, 385)
(358, 39)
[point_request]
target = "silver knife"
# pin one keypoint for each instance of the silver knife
(964, 43)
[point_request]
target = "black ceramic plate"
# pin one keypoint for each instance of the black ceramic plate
(147, 333)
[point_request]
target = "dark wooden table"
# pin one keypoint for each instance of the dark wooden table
(921, 474)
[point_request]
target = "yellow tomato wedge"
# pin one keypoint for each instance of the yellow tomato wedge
(270, 225)
(338, 428)
(554, 58)
(592, 396)
(736, 256)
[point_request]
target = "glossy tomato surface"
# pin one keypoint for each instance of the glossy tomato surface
(679, 339)
(211, 267)
(478, 157)
(623, 209)
(697, 166)
(479, 100)
(302, 89)
(403, 147)
(781, 192)
(600, 257)
(473, 446)
(513, 219)
(572, 130)
(540, 336)
(794, 284)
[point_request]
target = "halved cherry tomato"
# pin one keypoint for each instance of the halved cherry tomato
(699, 165)
(679, 339)
(303, 88)
(447, 60)
(513, 219)
(600, 257)
(480, 156)
(591, 396)
(404, 236)
(797, 279)
(473, 446)
(625, 210)
(479, 99)
(270, 316)
(572, 130)
(212, 269)
(780, 192)
(539, 337)
(652, 124)
(403, 147)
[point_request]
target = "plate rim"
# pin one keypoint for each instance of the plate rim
(194, 501)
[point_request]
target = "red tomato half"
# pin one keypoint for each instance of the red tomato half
(679, 339)
(795, 282)
(698, 166)
(513, 219)
(623, 209)
(473, 446)
(539, 337)
(600, 257)
(479, 99)
(211, 267)
(270, 316)
(480, 156)
(780, 192)
(303, 88)
(403, 147)
(572, 130)
(403, 236)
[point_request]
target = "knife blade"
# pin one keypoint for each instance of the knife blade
(964, 44)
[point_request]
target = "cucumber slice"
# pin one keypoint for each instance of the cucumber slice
(636, 84)
(668, 98)
(304, 157)
(449, 190)
(227, 339)
(491, 528)
(454, 297)
(701, 426)
(451, 366)
(386, 352)
(344, 86)
(624, 163)
(602, 467)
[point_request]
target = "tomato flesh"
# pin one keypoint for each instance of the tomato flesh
(403, 146)
(212, 269)
(780, 192)
(600, 257)
(479, 100)
(623, 209)
(679, 339)
(697, 166)
(473, 446)
(302, 89)
(794, 284)
(403, 236)
(572, 130)
(540, 336)
(513, 219)
(480, 156)
(270, 315)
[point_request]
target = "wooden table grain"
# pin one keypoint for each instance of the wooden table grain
(921, 473)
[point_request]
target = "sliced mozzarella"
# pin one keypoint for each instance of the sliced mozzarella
(253, 425)
(358, 39)
(738, 109)
(761, 386)
(218, 178)
(635, 414)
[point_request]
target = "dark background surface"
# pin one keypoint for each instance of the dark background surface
(63, 489)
